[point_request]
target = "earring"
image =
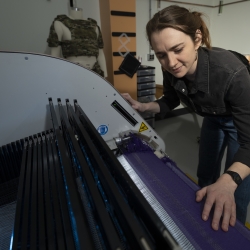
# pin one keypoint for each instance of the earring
(196, 57)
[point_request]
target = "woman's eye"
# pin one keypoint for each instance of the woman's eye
(178, 51)
(161, 56)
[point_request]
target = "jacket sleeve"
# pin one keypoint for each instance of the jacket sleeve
(238, 95)
(169, 100)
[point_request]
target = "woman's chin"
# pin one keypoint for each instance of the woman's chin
(179, 74)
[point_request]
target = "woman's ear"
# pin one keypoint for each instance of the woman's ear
(198, 38)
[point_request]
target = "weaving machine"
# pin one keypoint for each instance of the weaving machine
(80, 169)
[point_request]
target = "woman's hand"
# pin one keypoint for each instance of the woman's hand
(221, 196)
(135, 104)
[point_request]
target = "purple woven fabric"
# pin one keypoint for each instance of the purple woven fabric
(176, 193)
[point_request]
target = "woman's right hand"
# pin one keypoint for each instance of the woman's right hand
(135, 104)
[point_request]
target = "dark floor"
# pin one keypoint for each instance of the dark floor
(180, 136)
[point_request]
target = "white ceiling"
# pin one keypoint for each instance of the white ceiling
(205, 2)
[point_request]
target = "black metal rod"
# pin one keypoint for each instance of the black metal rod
(81, 232)
(34, 194)
(40, 197)
(70, 138)
(18, 215)
(8, 166)
(50, 232)
(26, 200)
(58, 177)
(57, 213)
(135, 198)
(135, 232)
(3, 175)
(13, 162)
(109, 230)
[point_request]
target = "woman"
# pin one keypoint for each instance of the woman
(214, 83)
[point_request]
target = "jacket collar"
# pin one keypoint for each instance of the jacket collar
(202, 75)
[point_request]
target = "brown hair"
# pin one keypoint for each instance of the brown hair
(181, 19)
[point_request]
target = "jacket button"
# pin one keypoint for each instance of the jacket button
(214, 113)
(183, 90)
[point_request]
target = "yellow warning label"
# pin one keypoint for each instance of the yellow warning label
(143, 127)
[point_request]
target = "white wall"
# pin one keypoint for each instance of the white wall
(230, 29)
(24, 24)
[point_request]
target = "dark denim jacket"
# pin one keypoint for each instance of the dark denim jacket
(221, 88)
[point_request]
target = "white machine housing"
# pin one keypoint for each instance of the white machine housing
(27, 82)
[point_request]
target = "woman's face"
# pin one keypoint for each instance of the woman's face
(175, 51)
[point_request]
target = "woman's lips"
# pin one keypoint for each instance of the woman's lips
(177, 70)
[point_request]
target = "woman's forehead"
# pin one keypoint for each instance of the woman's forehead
(168, 38)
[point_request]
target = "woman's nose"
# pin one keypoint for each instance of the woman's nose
(171, 61)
